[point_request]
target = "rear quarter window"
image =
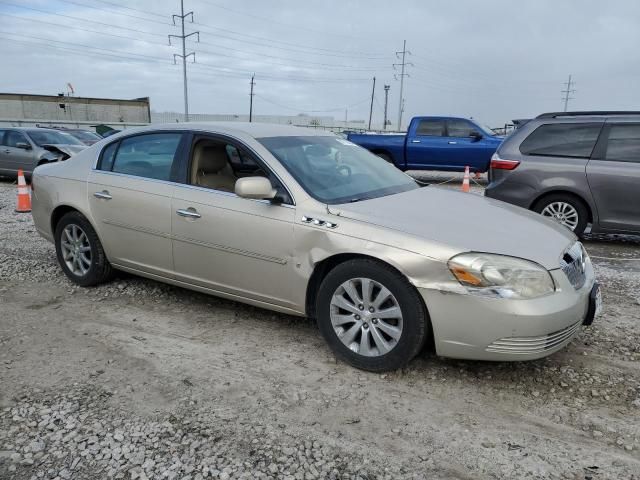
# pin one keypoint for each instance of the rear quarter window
(562, 140)
(623, 144)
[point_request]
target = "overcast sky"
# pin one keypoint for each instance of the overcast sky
(494, 60)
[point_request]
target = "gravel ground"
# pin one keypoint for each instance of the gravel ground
(136, 379)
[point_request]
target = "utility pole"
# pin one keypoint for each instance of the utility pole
(184, 55)
(568, 92)
(251, 98)
(402, 66)
(386, 101)
(373, 92)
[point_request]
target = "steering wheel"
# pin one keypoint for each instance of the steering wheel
(344, 168)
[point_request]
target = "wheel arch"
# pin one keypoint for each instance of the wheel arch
(323, 267)
(591, 211)
(61, 210)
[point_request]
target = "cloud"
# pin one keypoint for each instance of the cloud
(494, 60)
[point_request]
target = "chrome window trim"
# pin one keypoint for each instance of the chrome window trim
(195, 187)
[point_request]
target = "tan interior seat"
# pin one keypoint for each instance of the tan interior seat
(211, 168)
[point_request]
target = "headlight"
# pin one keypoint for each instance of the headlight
(501, 276)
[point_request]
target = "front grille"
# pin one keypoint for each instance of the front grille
(525, 345)
(573, 265)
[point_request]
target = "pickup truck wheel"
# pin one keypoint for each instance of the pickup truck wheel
(385, 157)
(371, 316)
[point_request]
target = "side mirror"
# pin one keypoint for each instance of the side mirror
(255, 187)
(475, 136)
(23, 146)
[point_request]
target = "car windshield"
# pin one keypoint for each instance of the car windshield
(333, 170)
(52, 137)
(85, 136)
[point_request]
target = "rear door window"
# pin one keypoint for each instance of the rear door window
(150, 155)
(623, 144)
(430, 128)
(562, 140)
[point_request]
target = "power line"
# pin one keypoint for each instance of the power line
(71, 2)
(403, 64)
(568, 91)
(235, 73)
(133, 9)
(110, 25)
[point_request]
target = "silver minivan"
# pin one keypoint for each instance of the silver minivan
(580, 168)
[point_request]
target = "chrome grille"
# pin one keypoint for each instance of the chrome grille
(573, 264)
(524, 345)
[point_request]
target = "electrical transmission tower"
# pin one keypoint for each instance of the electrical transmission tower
(402, 74)
(251, 94)
(568, 91)
(386, 101)
(184, 55)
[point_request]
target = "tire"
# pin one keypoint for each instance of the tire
(410, 330)
(571, 211)
(93, 268)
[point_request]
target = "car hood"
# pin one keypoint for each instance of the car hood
(467, 222)
(64, 148)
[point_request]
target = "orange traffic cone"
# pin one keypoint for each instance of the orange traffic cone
(24, 198)
(465, 182)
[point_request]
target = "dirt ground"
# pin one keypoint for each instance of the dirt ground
(136, 379)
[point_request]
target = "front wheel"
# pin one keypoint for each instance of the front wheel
(80, 252)
(565, 209)
(371, 316)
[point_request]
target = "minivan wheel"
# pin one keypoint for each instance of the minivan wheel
(565, 209)
(371, 316)
(79, 251)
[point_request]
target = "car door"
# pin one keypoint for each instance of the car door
(238, 246)
(130, 200)
(613, 174)
(18, 151)
(464, 149)
(426, 148)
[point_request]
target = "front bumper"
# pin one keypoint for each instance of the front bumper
(471, 327)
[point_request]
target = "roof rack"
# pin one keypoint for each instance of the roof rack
(602, 113)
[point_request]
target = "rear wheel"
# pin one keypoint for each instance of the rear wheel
(80, 252)
(371, 316)
(566, 209)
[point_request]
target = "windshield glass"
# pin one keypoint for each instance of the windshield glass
(333, 170)
(85, 136)
(52, 137)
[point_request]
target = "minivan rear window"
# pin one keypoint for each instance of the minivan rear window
(562, 140)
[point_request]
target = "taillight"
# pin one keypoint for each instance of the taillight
(502, 164)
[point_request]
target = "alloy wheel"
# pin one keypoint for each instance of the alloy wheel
(563, 212)
(366, 317)
(76, 250)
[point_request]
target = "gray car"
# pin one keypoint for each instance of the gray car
(307, 223)
(578, 168)
(26, 148)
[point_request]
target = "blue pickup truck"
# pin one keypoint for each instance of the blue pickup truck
(435, 143)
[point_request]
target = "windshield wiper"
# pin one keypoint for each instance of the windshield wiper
(354, 200)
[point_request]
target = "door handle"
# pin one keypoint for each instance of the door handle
(188, 213)
(453, 143)
(415, 141)
(104, 195)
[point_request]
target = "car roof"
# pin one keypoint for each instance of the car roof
(590, 115)
(255, 130)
